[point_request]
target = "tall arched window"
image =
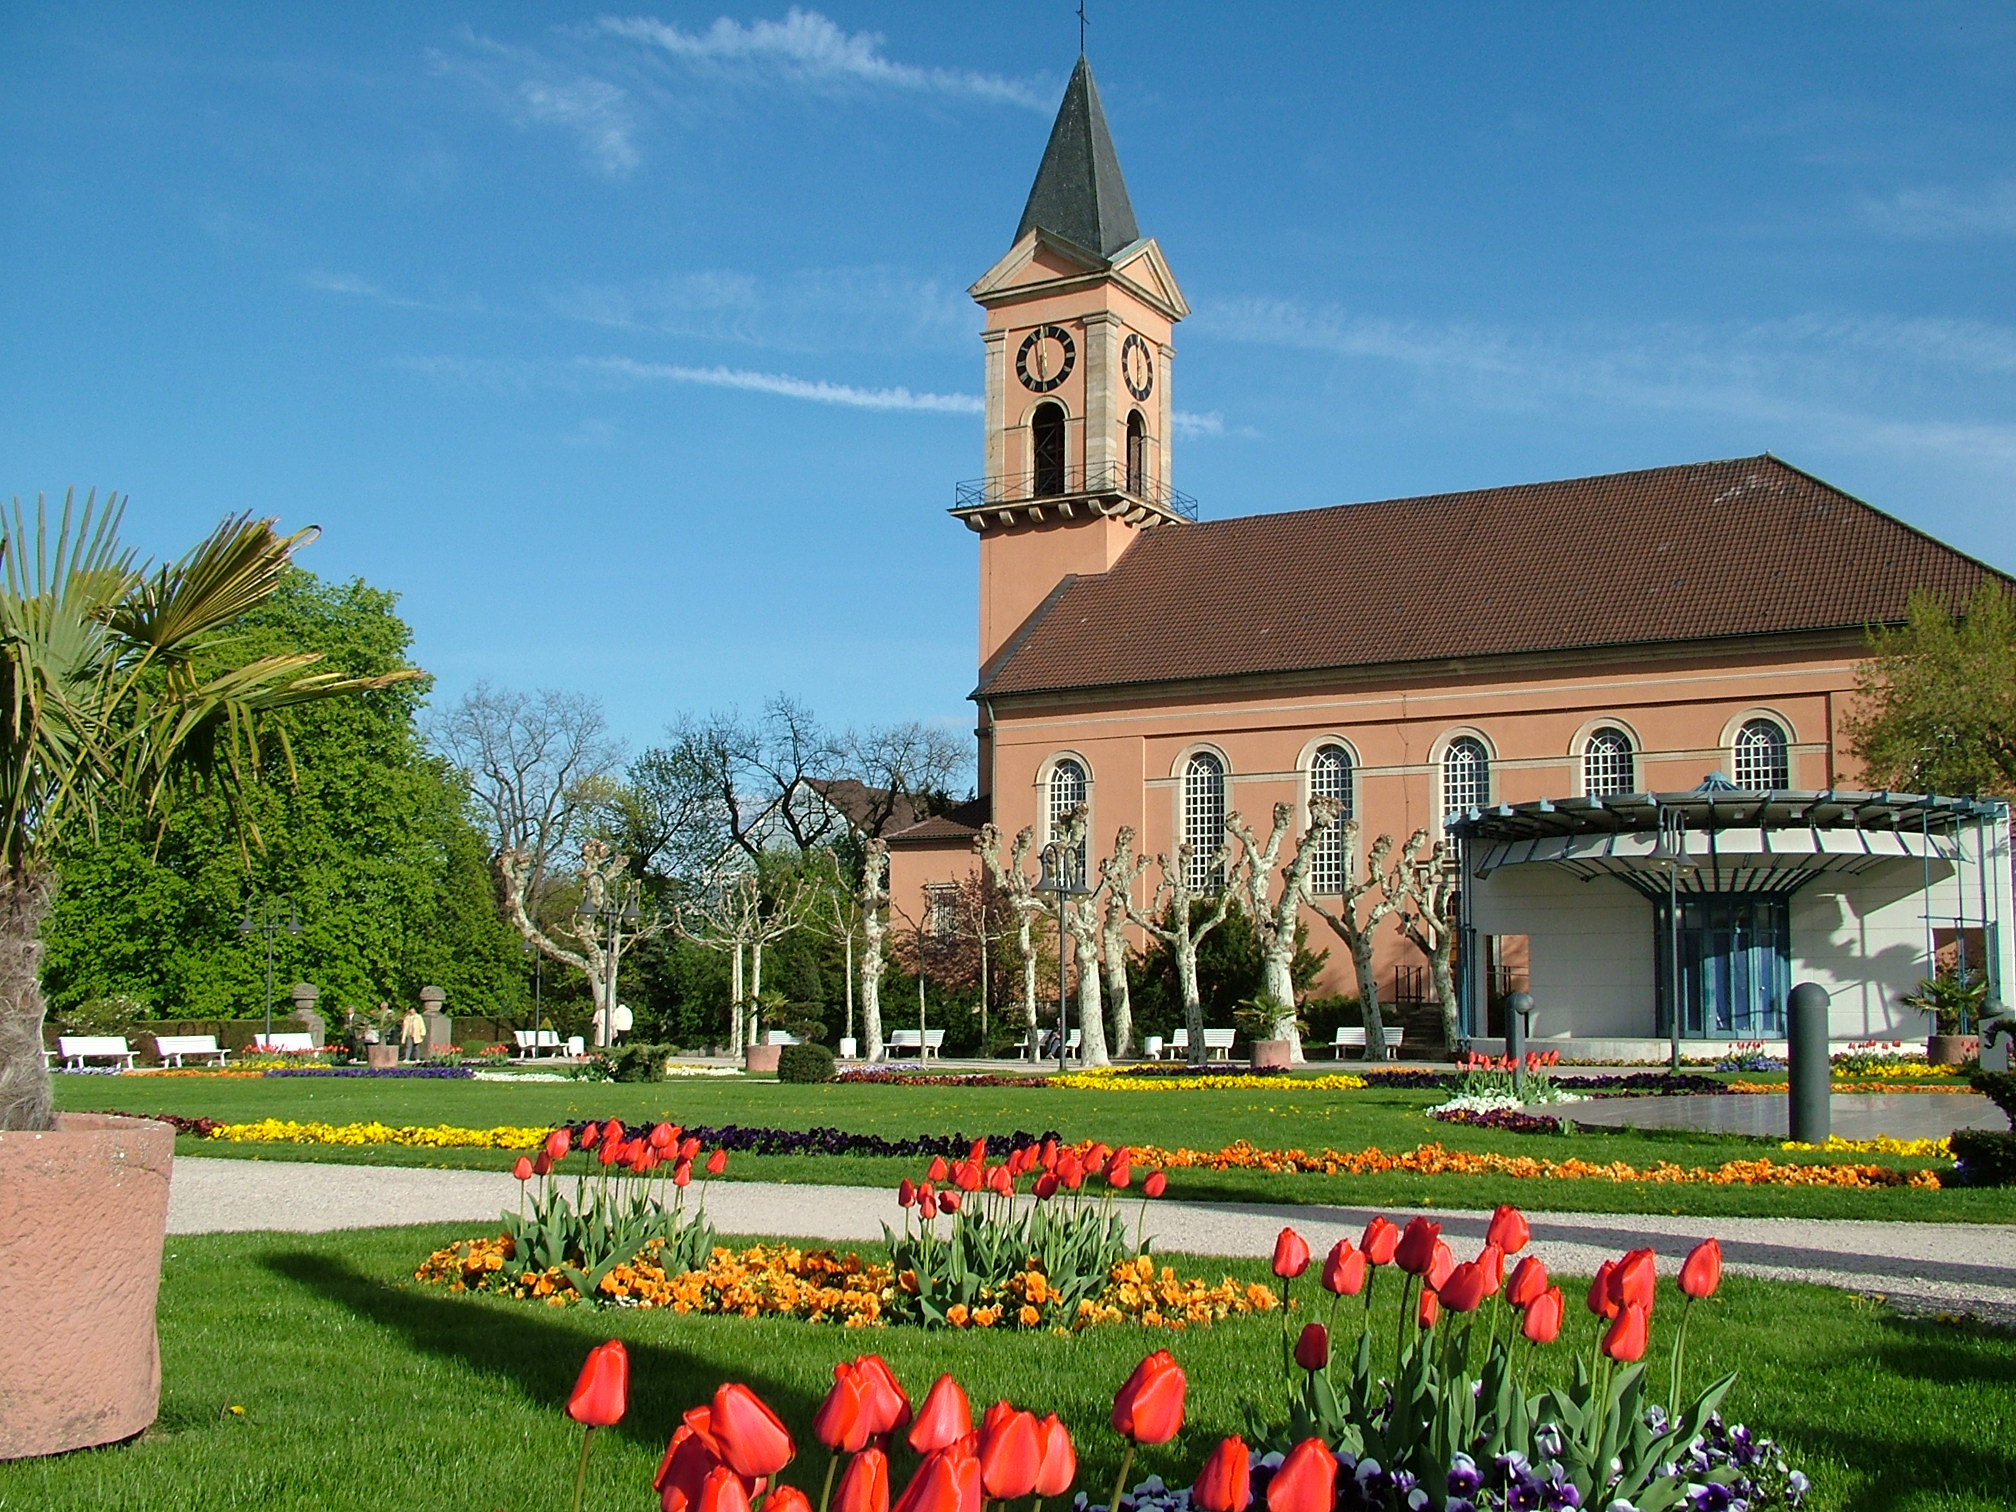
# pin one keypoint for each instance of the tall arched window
(1137, 454)
(1763, 756)
(1330, 777)
(1204, 817)
(1068, 786)
(1046, 450)
(1466, 775)
(1609, 765)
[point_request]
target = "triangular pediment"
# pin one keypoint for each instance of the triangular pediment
(1040, 262)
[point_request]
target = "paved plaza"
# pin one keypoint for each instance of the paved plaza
(1854, 1115)
(1934, 1264)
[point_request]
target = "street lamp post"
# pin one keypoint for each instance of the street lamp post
(271, 917)
(1671, 853)
(1064, 876)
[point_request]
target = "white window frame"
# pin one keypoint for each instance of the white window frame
(1589, 753)
(1738, 751)
(1203, 875)
(1326, 872)
(1455, 740)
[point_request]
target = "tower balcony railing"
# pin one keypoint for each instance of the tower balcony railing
(1102, 482)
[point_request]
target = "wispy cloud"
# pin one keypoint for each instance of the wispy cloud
(604, 373)
(1860, 382)
(1943, 211)
(352, 286)
(818, 391)
(815, 309)
(532, 89)
(805, 48)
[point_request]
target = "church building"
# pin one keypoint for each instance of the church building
(1621, 700)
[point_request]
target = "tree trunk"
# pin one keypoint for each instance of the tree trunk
(1193, 1000)
(1114, 949)
(849, 1031)
(1368, 996)
(873, 929)
(1026, 940)
(1084, 935)
(26, 1097)
(735, 1005)
(754, 1036)
(1441, 971)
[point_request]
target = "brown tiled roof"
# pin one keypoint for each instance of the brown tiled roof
(1710, 550)
(957, 825)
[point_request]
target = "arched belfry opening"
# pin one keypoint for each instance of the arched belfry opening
(1046, 451)
(1137, 454)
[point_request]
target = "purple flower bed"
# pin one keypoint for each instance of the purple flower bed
(824, 1141)
(1509, 1119)
(200, 1127)
(1614, 1084)
(423, 1073)
(886, 1078)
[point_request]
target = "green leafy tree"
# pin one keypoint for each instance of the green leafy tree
(368, 836)
(1938, 699)
(120, 686)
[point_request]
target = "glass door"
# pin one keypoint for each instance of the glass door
(1735, 965)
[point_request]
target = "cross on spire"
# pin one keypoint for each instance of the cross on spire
(1081, 28)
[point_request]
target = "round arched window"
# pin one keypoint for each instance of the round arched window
(1466, 775)
(1330, 777)
(1609, 765)
(1763, 757)
(1204, 817)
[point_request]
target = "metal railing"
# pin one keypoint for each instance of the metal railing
(1079, 482)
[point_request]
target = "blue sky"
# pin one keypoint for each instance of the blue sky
(630, 346)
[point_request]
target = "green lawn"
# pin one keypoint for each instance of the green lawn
(364, 1391)
(1279, 1114)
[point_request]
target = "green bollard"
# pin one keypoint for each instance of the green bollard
(1808, 1091)
(1517, 1006)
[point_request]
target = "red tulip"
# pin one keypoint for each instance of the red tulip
(1344, 1270)
(927, 1203)
(1428, 1309)
(841, 1423)
(1464, 1291)
(1156, 1184)
(906, 1192)
(948, 1480)
(590, 1132)
(1312, 1349)
(717, 1162)
(684, 1469)
(661, 1136)
(786, 1499)
(1508, 1230)
(948, 1202)
(1070, 1171)
(1291, 1254)
(1529, 1279)
(1057, 1465)
(1443, 1262)
(864, 1484)
(689, 1147)
(556, 1145)
(612, 1128)
(938, 1170)
(1046, 1186)
(1225, 1484)
(978, 1153)
(611, 1148)
(541, 1164)
(682, 1173)
(887, 1408)
(1542, 1320)
(1149, 1407)
(604, 1387)
(1119, 1171)
(1415, 1253)
(1010, 1453)
(747, 1433)
(1047, 1158)
(1635, 1279)
(722, 1491)
(522, 1168)
(1379, 1241)
(1491, 1260)
(1701, 1272)
(1095, 1158)
(945, 1418)
(1625, 1340)
(1599, 1291)
(1306, 1481)
(1001, 1180)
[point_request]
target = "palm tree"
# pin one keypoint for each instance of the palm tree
(117, 685)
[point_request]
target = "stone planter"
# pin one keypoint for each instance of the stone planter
(1272, 1055)
(381, 1057)
(83, 1209)
(761, 1060)
(1951, 1049)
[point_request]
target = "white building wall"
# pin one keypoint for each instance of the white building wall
(1863, 940)
(1590, 949)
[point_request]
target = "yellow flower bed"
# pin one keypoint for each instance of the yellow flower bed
(436, 1137)
(1904, 1069)
(1844, 1087)
(1115, 1079)
(1434, 1160)
(822, 1286)
(1882, 1144)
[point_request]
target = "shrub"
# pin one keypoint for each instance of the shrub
(626, 1063)
(114, 1014)
(804, 1063)
(1984, 1157)
(1999, 1087)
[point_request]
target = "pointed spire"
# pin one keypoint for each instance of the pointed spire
(1079, 194)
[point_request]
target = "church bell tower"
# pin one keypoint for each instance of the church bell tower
(1079, 319)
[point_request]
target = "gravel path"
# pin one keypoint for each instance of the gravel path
(1939, 1265)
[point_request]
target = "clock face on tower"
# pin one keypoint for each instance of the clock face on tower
(1048, 354)
(1137, 367)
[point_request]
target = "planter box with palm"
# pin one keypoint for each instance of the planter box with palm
(120, 688)
(1954, 1000)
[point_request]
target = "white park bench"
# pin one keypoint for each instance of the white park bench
(1354, 1039)
(779, 1037)
(533, 1043)
(170, 1048)
(76, 1049)
(283, 1044)
(1217, 1044)
(1071, 1042)
(926, 1043)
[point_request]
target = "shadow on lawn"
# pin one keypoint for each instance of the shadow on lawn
(538, 1351)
